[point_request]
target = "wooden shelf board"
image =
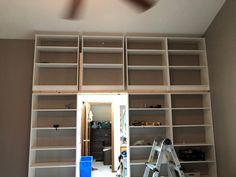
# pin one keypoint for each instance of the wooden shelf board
(145, 38)
(55, 87)
(203, 161)
(55, 36)
(148, 87)
(184, 126)
(193, 144)
(144, 68)
(53, 165)
(103, 49)
(97, 37)
(56, 49)
(186, 52)
(52, 128)
(149, 109)
(102, 87)
(142, 146)
(187, 67)
(54, 110)
(103, 66)
(53, 148)
(189, 87)
(138, 162)
(160, 126)
(56, 65)
(146, 51)
(196, 108)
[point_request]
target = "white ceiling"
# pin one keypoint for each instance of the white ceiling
(22, 18)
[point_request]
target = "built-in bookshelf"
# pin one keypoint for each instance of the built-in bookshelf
(184, 117)
(56, 61)
(168, 85)
(53, 135)
(102, 63)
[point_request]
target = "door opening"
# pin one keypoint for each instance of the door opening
(102, 131)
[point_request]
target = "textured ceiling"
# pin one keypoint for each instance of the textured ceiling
(22, 18)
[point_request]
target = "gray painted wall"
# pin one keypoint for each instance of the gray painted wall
(16, 65)
(221, 48)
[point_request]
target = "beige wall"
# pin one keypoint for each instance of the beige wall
(221, 48)
(16, 61)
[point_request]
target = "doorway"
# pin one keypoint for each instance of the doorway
(97, 135)
(100, 133)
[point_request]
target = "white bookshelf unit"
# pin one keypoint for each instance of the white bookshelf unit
(187, 64)
(146, 63)
(53, 135)
(159, 63)
(169, 97)
(103, 63)
(185, 118)
(56, 62)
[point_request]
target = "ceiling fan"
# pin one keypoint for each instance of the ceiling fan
(75, 6)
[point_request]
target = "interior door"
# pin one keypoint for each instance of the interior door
(85, 130)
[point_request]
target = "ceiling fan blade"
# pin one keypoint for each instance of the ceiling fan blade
(74, 7)
(143, 4)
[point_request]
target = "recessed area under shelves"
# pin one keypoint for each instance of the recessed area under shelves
(190, 100)
(177, 58)
(191, 117)
(103, 41)
(103, 58)
(186, 77)
(185, 44)
(205, 169)
(54, 101)
(52, 156)
(149, 78)
(193, 135)
(163, 117)
(55, 76)
(139, 155)
(143, 58)
(47, 119)
(103, 76)
(103, 63)
(56, 57)
(57, 40)
(149, 101)
(146, 43)
(208, 152)
(53, 137)
(140, 136)
(53, 172)
(137, 170)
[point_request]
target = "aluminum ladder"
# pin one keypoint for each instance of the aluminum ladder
(165, 155)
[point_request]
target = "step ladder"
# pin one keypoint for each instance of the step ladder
(165, 155)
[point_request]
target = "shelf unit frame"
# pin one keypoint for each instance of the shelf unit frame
(59, 71)
(173, 55)
(106, 46)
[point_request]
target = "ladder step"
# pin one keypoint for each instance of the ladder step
(158, 148)
(151, 166)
